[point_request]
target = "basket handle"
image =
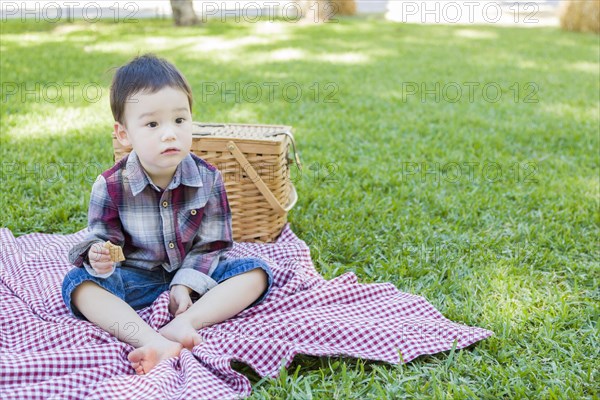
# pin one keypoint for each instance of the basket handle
(291, 136)
(254, 177)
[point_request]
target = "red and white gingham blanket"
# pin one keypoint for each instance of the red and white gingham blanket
(46, 353)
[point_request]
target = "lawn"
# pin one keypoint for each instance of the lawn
(459, 163)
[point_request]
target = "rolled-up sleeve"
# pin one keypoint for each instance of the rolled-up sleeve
(214, 238)
(103, 224)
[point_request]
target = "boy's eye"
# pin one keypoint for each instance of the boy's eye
(152, 124)
(180, 120)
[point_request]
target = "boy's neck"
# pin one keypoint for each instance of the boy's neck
(163, 179)
(162, 184)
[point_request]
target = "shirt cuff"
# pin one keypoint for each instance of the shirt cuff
(78, 253)
(91, 271)
(195, 280)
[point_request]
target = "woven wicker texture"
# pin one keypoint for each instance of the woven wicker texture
(262, 160)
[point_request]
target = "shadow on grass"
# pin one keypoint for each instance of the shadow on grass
(310, 364)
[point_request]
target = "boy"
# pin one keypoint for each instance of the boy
(168, 209)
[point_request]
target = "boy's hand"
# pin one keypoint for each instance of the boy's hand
(100, 259)
(179, 300)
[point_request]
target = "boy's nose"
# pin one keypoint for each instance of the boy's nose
(168, 134)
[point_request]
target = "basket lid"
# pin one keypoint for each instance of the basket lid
(249, 131)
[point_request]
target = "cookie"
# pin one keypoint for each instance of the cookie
(116, 252)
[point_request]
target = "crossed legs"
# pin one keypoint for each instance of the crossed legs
(114, 315)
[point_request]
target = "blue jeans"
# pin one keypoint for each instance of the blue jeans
(139, 288)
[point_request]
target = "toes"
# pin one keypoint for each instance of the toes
(136, 356)
(136, 365)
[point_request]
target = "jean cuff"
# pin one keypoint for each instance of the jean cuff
(195, 280)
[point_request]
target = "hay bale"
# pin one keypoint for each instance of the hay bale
(580, 15)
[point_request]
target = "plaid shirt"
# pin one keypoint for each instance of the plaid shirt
(185, 227)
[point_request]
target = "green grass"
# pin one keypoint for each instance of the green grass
(517, 253)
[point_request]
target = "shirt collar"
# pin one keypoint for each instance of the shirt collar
(187, 173)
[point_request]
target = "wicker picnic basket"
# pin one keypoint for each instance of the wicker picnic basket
(254, 163)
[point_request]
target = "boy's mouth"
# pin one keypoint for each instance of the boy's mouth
(171, 150)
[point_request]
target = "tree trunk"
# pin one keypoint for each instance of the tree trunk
(317, 11)
(183, 13)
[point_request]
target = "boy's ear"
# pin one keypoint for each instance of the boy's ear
(121, 133)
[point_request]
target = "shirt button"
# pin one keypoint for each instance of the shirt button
(171, 245)
(165, 203)
(193, 212)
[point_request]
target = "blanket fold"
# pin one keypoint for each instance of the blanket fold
(46, 353)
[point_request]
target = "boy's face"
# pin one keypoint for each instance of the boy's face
(159, 128)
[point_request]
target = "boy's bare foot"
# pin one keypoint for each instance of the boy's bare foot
(181, 330)
(145, 358)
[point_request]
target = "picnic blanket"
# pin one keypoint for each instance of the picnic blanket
(46, 353)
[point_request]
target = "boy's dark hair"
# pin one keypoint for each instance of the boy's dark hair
(144, 73)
